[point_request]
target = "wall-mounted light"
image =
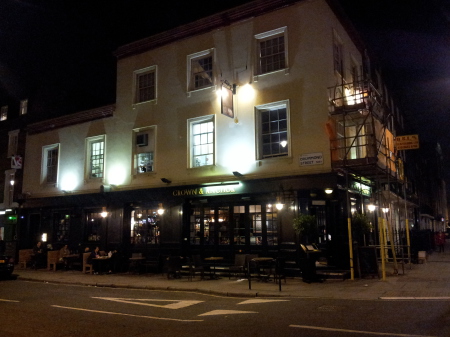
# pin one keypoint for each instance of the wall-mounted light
(104, 213)
(11, 182)
(385, 209)
(165, 180)
(371, 207)
(328, 190)
(237, 174)
(160, 209)
(44, 237)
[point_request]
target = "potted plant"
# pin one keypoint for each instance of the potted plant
(305, 225)
(360, 226)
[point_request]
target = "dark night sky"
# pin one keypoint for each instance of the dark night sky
(62, 49)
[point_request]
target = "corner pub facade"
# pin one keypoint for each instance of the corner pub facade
(175, 168)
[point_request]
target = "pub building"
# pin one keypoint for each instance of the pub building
(223, 131)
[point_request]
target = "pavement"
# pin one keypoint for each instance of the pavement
(428, 280)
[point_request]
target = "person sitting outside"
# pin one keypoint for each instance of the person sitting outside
(63, 252)
(39, 258)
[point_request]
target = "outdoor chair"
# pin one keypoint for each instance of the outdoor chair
(199, 267)
(173, 267)
(239, 265)
(87, 267)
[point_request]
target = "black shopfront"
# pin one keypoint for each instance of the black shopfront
(222, 218)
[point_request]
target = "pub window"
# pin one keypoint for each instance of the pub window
(145, 227)
(94, 226)
(62, 226)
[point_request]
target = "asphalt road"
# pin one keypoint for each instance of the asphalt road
(55, 310)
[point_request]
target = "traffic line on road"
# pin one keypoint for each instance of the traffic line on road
(176, 305)
(226, 312)
(440, 298)
(3, 300)
(256, 301)
(130, 315)
(357, 331)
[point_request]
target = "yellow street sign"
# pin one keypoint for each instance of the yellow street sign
(410, 142)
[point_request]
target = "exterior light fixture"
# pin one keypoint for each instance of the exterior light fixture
(328, 190)
(279, 206)
(385, 209)
(237, 174)
(44, 237)
(165, 180)
(371, 207)
(104, 213)
(160, 209)
(11, 182)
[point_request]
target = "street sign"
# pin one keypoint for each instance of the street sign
(410, 142)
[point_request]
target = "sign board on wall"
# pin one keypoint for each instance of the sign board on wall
(410, 142)
(311, 159)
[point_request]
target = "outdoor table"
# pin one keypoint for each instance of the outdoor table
(214, 260)
(259, 262)
(101, 262)
(70, 259)
(135, 263)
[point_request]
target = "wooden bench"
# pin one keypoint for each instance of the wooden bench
(53, 259)
(25, 257)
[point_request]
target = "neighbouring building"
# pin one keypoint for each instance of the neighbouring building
(223, 131)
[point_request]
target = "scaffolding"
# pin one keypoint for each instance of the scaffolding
(361, 133)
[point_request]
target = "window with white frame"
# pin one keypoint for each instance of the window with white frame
(201, 70)
(272, 50)
(144, 149)
(201, 132)
(145, 85)
(4, 113)
(273, 130)
(338, 58)
(50, 161)
(24, 106)
(95, 157)
(13, 142)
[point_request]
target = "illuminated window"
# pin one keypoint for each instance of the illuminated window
(273, 129)
(272, 51)
(4, 113)
(95, 156)
(145, 85)
(202, 141)
(144, 149)
(200, 70)
(50, 158)
(23, 107)
(145, 226)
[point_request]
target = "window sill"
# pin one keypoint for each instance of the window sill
(287, 159)
(194, 91)
(153, 102)
(285, 71)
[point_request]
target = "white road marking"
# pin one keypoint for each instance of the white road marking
(416, 298)
(176, 305)
(227, 312)
(356, 331)
(261, 301)
(122, 314)
(3, 300)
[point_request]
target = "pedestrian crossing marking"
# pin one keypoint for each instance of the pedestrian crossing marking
(226, 312)
(176, 304)
(261, 301)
